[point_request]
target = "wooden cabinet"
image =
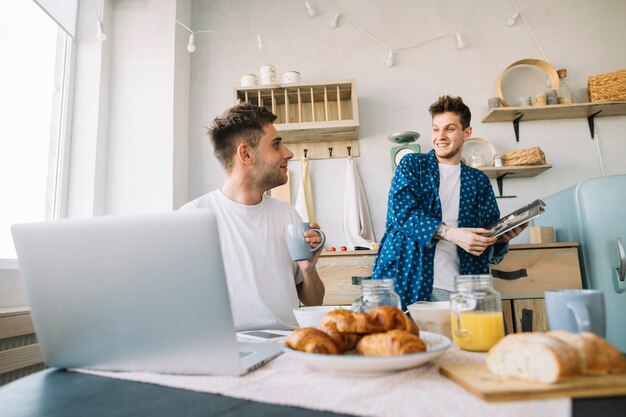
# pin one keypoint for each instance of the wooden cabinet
(341, 273)
(19, 351)
(521, 279)
(526, 272)
(322, 118)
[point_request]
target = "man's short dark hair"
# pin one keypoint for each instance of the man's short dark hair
(241, 123)
(453, 105)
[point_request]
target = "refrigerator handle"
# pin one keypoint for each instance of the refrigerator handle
(620, 271)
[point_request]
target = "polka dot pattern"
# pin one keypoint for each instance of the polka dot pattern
(407, 250)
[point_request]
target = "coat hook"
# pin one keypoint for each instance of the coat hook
(349, 149)
(305, 151)
(330, 152)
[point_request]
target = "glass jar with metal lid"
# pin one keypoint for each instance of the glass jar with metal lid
(476, 313)
(376, 293)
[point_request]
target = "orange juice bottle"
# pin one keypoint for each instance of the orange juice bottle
(476, 313)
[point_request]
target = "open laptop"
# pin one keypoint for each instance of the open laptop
(133, 293)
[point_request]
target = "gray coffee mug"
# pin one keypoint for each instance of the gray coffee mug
(299, 248)
(576, 311)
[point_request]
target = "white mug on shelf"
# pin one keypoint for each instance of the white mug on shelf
(291, 77)
(268, 75)
(249, 80)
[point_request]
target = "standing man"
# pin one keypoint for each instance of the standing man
(436, 214)
(264, 284)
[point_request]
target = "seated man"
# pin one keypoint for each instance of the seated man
(436, 214)
(263, 282)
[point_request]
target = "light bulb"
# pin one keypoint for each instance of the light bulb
(309, 9)
(390, 61)
(335, 22)
(191, 46)
(459, 41)
(100, 34)
(513, 19)
(259, 41)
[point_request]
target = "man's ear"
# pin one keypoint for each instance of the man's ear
(243, 154)
(467, 134)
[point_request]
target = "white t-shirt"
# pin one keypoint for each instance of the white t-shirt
(261, 276)
(446, 256)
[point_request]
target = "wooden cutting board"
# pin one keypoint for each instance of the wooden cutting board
(477, 379)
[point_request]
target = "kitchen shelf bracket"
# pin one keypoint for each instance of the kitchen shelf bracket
(500, 181)
(591, 123)
(518, 117)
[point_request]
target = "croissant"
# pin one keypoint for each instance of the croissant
(354, 322)
(393, 318)
(312, 340)
(393, 342)
(328, 324)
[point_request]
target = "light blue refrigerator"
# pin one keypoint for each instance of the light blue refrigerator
(593, 213)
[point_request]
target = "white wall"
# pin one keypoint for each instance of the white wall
(584, 37)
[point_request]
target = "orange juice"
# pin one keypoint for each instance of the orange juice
(480, 330)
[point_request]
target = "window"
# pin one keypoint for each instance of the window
(34, 81)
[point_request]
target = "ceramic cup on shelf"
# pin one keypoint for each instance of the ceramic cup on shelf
(249, 80)
(268, 75)
(291, 77)
(493, 102)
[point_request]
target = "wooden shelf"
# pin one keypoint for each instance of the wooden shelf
(322, 118)
(555, 111)
(499, 173)
(514, 171)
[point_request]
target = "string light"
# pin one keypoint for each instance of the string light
(513, 19)
(459, 42)
(309, 9)
(99, 30)
(390, 59)
(100, 34)
(191, 46)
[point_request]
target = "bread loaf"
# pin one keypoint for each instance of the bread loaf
(597, 356)
(533, 357)
(548, 357)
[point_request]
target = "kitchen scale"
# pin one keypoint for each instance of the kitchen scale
(405, 139)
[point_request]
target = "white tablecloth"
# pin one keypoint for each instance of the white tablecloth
(420, 390)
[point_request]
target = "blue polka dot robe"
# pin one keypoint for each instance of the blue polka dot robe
(407, 250)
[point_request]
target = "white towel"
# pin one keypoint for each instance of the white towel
(304, 199)
(357, 223)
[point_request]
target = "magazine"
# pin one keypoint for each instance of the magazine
(517, 218)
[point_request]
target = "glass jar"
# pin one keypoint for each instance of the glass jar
(476, 313)
(376, 293)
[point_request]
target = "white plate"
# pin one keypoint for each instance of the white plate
(482, 147)
(436, 345)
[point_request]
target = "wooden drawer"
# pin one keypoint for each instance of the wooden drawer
(532, 269)
(336, 271)
(19, 352)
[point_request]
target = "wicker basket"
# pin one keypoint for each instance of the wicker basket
(530, 156)
(610, 86)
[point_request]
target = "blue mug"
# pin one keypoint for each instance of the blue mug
(299, 248)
